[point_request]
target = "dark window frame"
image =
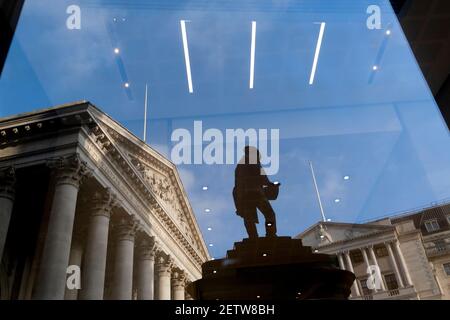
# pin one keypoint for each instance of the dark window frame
(363, 285)
(391, 281)
(429, 223)
(446, 267)
(356, 256)
(381, 251)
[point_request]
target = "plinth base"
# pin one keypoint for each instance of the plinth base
(272, 268)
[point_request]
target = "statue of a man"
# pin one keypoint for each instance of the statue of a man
(249, 193)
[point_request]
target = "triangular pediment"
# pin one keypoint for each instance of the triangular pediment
(158, 173)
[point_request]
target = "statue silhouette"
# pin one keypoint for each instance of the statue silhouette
(252, 191)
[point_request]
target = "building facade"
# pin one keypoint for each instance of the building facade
(82, 196)
(402, 257)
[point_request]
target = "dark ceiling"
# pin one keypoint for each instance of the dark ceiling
(9, 15)
(426, 24)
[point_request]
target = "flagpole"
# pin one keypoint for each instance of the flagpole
(145, 113)
(317, 191)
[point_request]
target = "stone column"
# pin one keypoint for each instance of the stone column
(51, 280)
(94, 264)
(403, 265)
(122, 281)
(375, 261)
(178, 284)
(76, 256)
(341, 261)
(350, 268)
(366, 261)
(163, 268)
(7, 193)
(394, 265)
(145, 267)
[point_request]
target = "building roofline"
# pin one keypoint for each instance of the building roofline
(408, 212)
(347, 224)
(67, 107)
(46, 110)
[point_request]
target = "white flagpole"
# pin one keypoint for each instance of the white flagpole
(145, 113)
(317, 191)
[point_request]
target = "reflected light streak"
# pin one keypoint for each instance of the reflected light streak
(252, 54)
(186, 55)
(316, 55)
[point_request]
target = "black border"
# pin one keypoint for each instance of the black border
(9, 16)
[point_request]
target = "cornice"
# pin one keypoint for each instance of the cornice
(45, 114)
(345, 225)
(358, 238)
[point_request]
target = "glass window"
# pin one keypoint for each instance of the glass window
(440, 245)
(356, 256)
(363, 283)
(447, 268)
(432, 225)
(329, 92)
(322, 84)
(381, 251)
(391, 281)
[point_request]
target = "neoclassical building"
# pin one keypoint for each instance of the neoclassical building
(412, 252)
(80, 194)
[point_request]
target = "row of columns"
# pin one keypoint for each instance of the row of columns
(88, 247)
(51, 280)
(399, 266)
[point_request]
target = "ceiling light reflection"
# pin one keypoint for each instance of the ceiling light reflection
(316, 54)
(186, 55)
(252, 54)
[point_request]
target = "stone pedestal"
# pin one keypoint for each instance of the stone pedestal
(272, 268)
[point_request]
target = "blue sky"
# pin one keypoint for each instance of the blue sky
(382, 128)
